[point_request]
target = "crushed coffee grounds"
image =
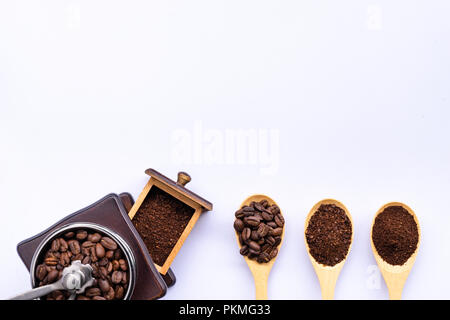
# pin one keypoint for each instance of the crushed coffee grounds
(160, 221)
(395, 235)
(329, 234)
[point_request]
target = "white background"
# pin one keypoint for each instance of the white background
(91, 93)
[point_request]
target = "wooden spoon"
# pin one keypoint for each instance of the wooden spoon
(260, 271)
(327, 275)
(395, 276)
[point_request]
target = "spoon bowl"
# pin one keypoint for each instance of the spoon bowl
(260, 271)
(327, 275)
(395, 276)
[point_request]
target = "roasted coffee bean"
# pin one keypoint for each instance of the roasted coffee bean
(103, 272)
(78, 257)
(117, 254)
(279, 220)
(249, 213)
(98, 298)
(93, 292)
(74, 247)
(254, 236)
(88, 244)
(239, 214)
(244, 250)
(253, 245)
(263, 229)
(103, 262)
(69, 235)
(57, 295)
(110, 294)
(277, 241)
(52, 276)
(248, 209)
(272, 224)
(124, 278)
(251, 221)
(116, 277)
(109, 254)
(95, 270)
(252, 256)
(261, 241)
(95, 237)
(264, 257)
(55, 245)
(277, 231)
(108, 243)
(64, 260)
(259, 207)
(119, 292)
(115, 265)
(264, 203)
(273, 253)
(81, 235)
(104, 285)
(238, 225)
(81, 297)
(246, 234)
(51, 261)
(63, 245)
(109, 267)
(86, 260)
(123, 265)
(274, 209)
(270, 240)
(266, 247)
(99, 250)
(41, 272)
(253, 252)
(268, 217)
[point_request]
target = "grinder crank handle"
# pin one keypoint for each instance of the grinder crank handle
(40, 291)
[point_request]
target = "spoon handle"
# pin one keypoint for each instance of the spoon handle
(395, 283)
(327, 279)
(261, 286)
(395, 294)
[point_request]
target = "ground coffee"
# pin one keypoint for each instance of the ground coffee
(160, 221)
(259, 226)
(395, 235)
(329, 234)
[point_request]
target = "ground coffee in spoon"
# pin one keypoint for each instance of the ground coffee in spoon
(395, 235)
(329, 234)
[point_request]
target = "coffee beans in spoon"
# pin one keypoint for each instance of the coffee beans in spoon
(259, 227)
(110, 268)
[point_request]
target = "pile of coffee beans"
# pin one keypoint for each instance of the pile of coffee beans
(110, 268)
(395, 235)
(329, 234)
(259, 226)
